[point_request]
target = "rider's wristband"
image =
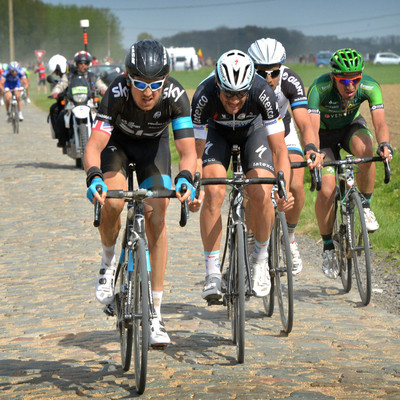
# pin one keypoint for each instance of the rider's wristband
(185, 174)
(92, 173)
(382, 145)
(310, 146)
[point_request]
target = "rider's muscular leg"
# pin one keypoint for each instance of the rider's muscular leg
(156, 232)
(297, 189)
(324, 205)
(111, 211)
(210, 215)
(362, 146)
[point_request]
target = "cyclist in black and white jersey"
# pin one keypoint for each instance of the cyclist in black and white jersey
(234, 106)
(268, 56)
(132, 126)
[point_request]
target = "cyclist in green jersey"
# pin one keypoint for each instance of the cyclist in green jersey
(334, 101)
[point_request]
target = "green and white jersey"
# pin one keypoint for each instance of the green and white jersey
(324, 99)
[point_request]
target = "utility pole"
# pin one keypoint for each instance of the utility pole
(11, 29)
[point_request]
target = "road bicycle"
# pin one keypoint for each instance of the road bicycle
(14, 115)
(133, 305)
(350, 234)
(237, 285)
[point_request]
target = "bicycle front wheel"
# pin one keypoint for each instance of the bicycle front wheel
(268, 300)
(282, 261)
(141, 320)
(360, 248)
(15, 118)
(340, 242)
(238, 292)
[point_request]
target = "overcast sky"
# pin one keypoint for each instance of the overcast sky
(343, 18)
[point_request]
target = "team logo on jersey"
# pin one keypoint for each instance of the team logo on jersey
(112, 148)
(241, 116)
(207, 147)
(260, 151)
(173, 91)
(120, 91)
(157, 115)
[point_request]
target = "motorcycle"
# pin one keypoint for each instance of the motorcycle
(80, 104)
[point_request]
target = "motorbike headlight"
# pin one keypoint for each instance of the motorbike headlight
(80, 98)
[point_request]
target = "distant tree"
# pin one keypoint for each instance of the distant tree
(144, 35)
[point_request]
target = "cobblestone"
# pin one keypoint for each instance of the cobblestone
(57, 343)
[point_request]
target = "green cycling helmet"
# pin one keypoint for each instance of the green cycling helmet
(346, 60)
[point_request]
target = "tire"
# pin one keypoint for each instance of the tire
(282, 261)
(269, 300)
(83, 140)
(15, 118)
(360, 248)
(238, 289)
(141, 322)
(124, 325)
(341, 243)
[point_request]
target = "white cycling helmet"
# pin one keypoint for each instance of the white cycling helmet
(267, 52)
(234, 71)
(57, 62)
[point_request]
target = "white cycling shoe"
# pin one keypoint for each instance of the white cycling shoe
(105, 282)
(159, 338)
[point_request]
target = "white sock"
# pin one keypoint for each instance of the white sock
(157, 298)
(108, 253)
(212, 262)
(291, 230)
(260, 252)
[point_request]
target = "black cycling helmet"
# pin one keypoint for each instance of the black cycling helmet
(82, 56)
(147, 59)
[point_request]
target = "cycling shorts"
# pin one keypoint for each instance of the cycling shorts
(152, 158)
(253, 142)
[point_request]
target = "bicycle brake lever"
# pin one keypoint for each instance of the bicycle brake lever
(388, 171)
(184, 208)
(315, 176)
(97, 209)
(282, 186)
(196, 184)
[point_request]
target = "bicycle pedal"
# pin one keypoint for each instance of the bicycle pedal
(109, 310)
(214, 302)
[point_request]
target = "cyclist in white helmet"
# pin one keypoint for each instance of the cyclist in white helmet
(268, 56)
(236, 106)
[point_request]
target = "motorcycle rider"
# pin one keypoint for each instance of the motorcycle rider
(82, 60)
(57, 65)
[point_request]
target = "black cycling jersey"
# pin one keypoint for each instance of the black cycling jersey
(207, 108)
(128, 121)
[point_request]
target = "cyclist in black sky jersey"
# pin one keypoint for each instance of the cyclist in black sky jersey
(132, 126)
(268, 56)
(236, 106)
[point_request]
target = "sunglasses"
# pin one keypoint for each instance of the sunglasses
(230, 94)
(142, 86)
(273, 74)
(83, 62)
(346, 82)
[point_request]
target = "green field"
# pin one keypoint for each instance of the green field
(385, 202)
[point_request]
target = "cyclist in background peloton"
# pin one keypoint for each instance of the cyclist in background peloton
(13, 79)
(334, 100)
(268, 56)
(236, 106)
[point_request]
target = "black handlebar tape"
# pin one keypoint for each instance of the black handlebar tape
(97, 209)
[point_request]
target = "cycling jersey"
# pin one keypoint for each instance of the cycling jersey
(207, 109)
(11, 81)
(125, 119)
(324, 99)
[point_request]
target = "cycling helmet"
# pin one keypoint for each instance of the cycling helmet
(267, 52)
(147, 59)
(234, 71)
(57, 63)
(346, 60)
(14, 66)
(82, 56)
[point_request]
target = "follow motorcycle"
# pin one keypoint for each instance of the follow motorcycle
(80, 104)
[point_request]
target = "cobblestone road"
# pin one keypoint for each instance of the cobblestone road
(56, 343)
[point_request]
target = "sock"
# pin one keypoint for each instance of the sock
(212, 262)
(108, 253)
(328, 242)
(291, 229)
(366, 201)
(260, 252)
(157, 298)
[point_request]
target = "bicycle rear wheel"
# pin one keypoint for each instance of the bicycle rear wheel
(124, 320)
(237, 295)
(282, 261)
(269, 300)
(141, 320)
(360, 248)
(340, 242)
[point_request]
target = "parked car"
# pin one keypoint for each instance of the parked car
(108, 72)
(322, 58)
(386, 58)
